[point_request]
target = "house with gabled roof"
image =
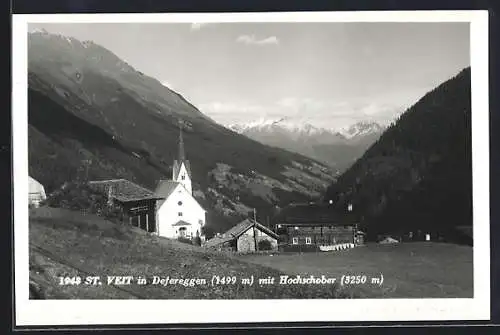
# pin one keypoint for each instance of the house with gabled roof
(178, 213)
(246, 236)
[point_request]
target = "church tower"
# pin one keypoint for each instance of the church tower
(181, 171)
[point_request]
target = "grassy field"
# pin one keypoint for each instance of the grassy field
(410, 270)
(68, 244)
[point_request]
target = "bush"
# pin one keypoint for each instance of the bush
(264, 245)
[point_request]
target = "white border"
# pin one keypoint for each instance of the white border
(107, 312)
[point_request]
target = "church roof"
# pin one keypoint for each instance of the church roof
(123, 190)
(177, 168)
(164, 188)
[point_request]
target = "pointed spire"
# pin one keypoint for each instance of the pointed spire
(182, 154)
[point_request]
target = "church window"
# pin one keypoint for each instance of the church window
(179, 203)
(179, 214)
(183, 177)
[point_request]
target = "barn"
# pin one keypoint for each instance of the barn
(311, 226)
(246, 236)
(137, 203)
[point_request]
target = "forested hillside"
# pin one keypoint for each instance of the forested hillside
(418, 175)
(92, 116)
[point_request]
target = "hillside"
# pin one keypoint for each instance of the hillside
(339, 149)
(92, 116)
(418, 175)
(66, 243)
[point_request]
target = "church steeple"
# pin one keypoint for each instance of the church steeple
(181, 171)
(182, 154)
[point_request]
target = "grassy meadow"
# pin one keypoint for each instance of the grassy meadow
(410, 270)
(65, 243)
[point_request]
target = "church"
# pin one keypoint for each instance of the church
(178, 213)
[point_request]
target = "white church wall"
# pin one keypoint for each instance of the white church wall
(168, 214)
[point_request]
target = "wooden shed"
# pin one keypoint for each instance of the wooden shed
(138, 204)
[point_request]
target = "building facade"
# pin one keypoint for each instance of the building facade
(309, 226)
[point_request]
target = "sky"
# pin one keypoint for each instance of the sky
(328, 74)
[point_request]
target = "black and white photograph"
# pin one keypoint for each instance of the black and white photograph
(308, 167)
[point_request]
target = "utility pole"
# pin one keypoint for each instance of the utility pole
(254, 231)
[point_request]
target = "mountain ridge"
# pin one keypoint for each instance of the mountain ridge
(418, 174)
(336, 148)
(127, 127)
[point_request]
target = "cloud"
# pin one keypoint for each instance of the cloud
(252, 40)
(198, 25)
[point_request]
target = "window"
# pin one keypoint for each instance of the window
(308, 240)
(183, 177)
(179, 214)
(295, 240)
(179, 203)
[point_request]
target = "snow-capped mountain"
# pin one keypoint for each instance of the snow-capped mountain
(337, 147)
(362, 128)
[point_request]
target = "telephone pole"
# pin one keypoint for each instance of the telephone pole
(254, 232)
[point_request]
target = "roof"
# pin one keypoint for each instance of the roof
(215, 241)
(314, 214)
(181, 223)
(123, 190)
(165, 187)
(237, 231)
(243, 226)
(35, 186)
(177, 167)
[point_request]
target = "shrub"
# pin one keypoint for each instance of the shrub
(264, 245)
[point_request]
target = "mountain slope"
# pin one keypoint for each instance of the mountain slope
(418, 175)
(93, 116)
(337, 148)
(61, 239)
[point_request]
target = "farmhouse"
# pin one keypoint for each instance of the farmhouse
(138, 204)
(36, 192)
(246, 236)
(312, 225)
(178, 213)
